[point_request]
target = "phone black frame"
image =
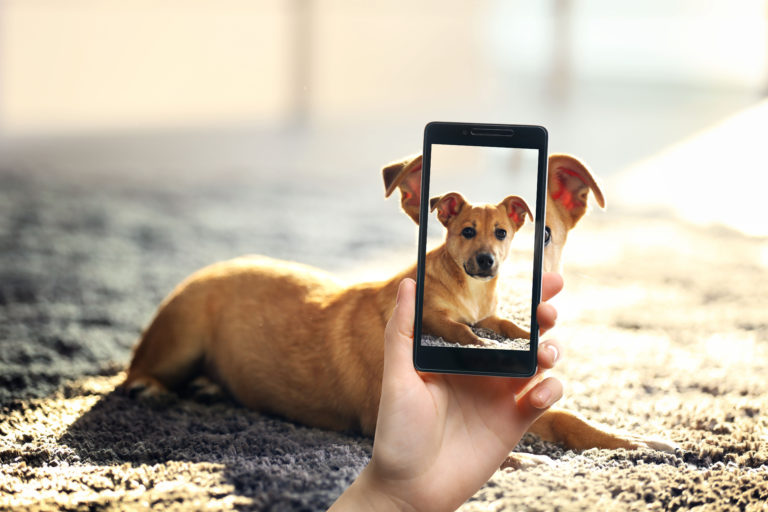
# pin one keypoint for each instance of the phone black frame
(479, 361)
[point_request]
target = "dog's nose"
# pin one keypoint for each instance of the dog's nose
(484, 260)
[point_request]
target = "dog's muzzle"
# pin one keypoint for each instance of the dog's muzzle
(482, 266)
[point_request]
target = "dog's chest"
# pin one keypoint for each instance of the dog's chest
(478, 301)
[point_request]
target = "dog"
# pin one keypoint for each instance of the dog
(569, 185)
(462, 274)
(287, 339)
(290, 340)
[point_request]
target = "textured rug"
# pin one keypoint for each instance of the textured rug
(665, 324)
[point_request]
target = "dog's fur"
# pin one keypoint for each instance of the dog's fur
(288, 339)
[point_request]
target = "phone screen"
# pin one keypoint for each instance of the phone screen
(481, 269)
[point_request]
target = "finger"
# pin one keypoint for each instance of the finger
(549, 353)
(546, 315)
(545, 393)
(402, 317)
(551, 284)
(533, 404)
(398, 335)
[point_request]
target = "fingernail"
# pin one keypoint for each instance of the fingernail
(544, 396)
(555, 354)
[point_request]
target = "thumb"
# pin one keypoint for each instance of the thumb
(398, 335)
(538, 399)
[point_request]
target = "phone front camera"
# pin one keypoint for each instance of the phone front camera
(464, 132)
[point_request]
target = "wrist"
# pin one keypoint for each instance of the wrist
(366, 493)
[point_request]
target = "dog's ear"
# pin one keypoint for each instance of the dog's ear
(517, 209)
(448, 206)
(569, 184)
(405, 174)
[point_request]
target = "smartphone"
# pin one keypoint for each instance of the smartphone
(481, 236)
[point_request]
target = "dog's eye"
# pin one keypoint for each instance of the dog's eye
(547, 236)
(468, 232)
(501, 234)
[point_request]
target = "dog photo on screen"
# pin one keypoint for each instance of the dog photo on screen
(482, 202)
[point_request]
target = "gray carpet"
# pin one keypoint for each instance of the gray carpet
(665, 324)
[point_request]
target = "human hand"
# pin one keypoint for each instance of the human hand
(440, 437)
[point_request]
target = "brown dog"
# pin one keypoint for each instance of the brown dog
(467, 274)
(286, 339)
(568, 188)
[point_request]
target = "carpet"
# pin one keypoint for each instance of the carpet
(664, 324)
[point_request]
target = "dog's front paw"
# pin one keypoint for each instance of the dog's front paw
(654, 443)
(518, 460)
(207, 391)
(144, 387)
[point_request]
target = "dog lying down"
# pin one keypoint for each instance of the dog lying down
(227, 322)
(478, 240)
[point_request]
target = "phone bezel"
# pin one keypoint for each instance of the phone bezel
(478, 361)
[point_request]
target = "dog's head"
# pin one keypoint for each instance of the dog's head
(478, 236)
(568, 188)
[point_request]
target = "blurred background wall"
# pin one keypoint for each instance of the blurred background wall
(196, 88)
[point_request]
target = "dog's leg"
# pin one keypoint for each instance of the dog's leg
(577, 433)
(505, 327)
(438, 324)
(168, 355)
